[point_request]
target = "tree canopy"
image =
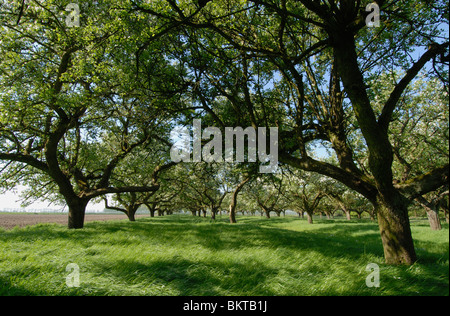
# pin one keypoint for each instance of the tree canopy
(86, 110)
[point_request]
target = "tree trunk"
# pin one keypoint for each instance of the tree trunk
(131, 214)
(347, 214)
(432, 210)
(77, 210)
(233, 203)
(391, 207)
(131, 217)
(152, 208)
(309, 216)
(395, 230)
(372, 215)
(433, 218)
(232, 214)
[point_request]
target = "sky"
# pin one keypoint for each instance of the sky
(11, 200)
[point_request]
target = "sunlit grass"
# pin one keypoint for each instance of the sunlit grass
(184, 255)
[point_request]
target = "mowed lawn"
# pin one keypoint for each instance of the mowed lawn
(185, 255)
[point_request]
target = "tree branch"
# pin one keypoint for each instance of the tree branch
(113, 207)
(125, 189)
(423, 184)
(29, 160)
(391, 103)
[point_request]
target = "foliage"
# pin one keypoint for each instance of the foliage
(87, 111)
(71, 106)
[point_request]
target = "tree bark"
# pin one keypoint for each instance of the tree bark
(131, 216)
(309, 216)
(347, 214)
(395, 230)
(434, 220)
(152, 208)
(131, 213)
(77, 210)
(233, 203)
(432, 210)
(391, 207)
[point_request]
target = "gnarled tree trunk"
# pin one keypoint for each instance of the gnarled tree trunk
(393, 222)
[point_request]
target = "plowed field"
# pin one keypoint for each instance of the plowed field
(9, 221)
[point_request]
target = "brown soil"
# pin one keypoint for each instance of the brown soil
(9, 221)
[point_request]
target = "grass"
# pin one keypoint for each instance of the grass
(185, 255)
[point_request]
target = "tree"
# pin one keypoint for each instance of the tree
(209, 186)
(306, 192)
(281, 41)
(269, 193)
(140, 169)
(419, 135)
(165, 197)
(234, 194)
(70, 107)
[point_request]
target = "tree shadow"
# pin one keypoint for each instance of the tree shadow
(352, 242)
(183, 277)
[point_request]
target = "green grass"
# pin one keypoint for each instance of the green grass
(183, 255)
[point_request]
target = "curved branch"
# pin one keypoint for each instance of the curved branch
(29, 160)
(423, 184)
(391, 103)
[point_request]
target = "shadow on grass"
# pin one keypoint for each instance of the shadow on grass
(183, 277)
(352, 241)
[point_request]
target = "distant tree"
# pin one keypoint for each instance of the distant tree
(140, 170)
(305, 192)
(234, 195)
(269, 193)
